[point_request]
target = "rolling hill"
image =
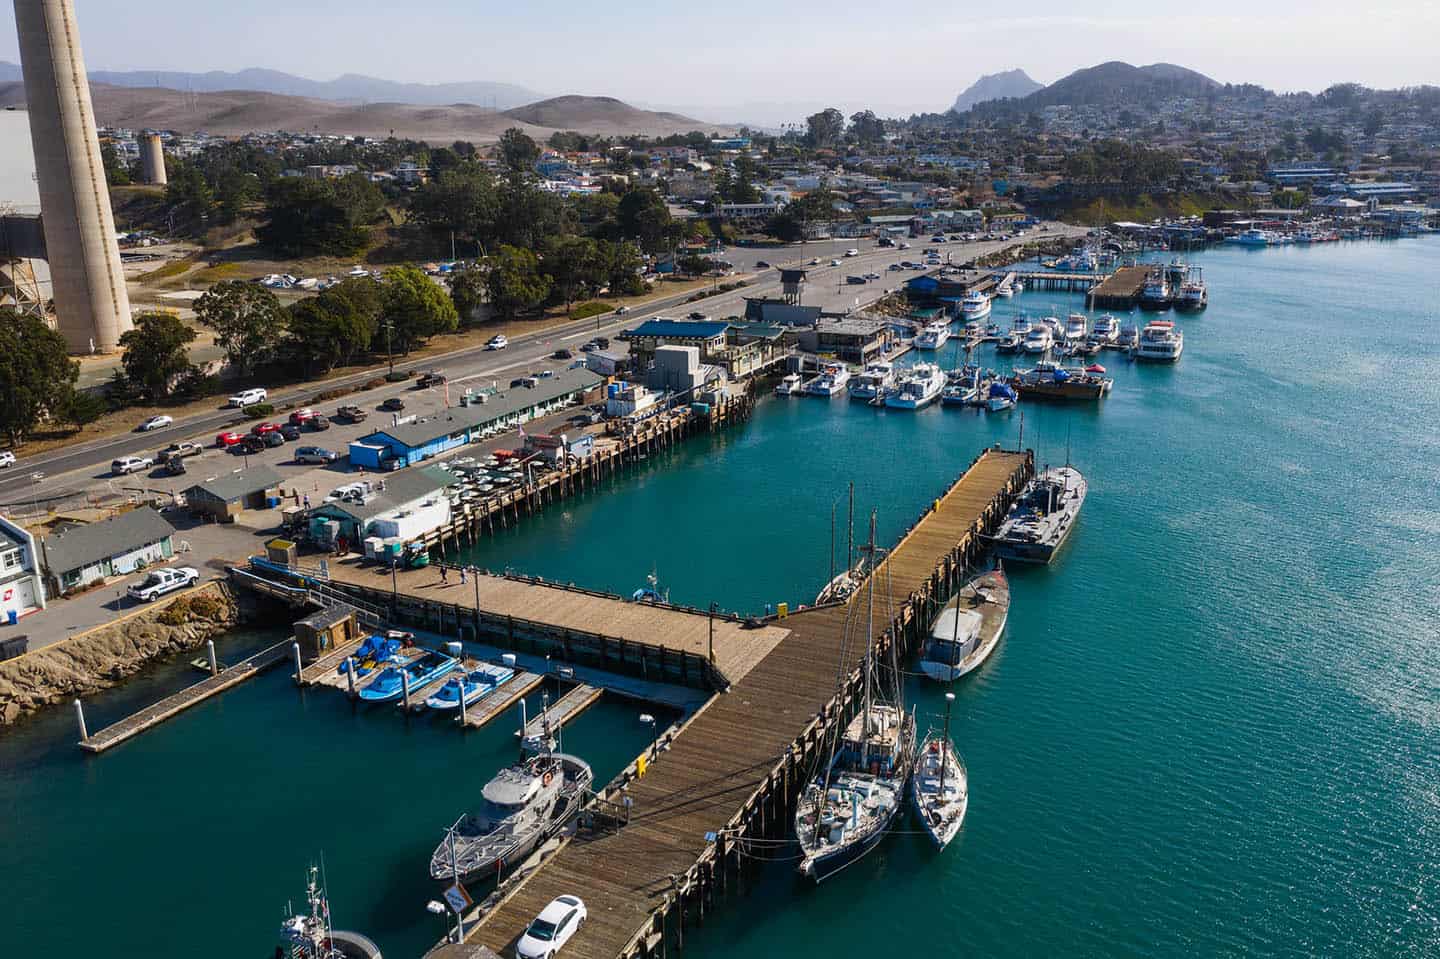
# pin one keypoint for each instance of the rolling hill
(996, 86)
(1108, 84)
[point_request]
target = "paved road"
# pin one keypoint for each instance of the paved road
(86, 466)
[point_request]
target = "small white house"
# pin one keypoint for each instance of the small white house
(22, 590)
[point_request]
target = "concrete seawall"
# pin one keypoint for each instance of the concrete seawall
(105, 656)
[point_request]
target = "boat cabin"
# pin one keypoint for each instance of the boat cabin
(955, 634)
(879, 739)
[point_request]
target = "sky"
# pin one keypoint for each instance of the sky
(729, 62)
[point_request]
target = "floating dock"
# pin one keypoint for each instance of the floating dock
(1120, 291)
(155, 714)
(561, 712)
(733, 771)
(507, 694)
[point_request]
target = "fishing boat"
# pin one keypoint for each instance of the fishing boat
(472, 686)
(521, 807)
(831, 381)
(1040, 521)
(790, 385)
(859, 785)
(1006, 287)
(1156, 293)
(1001, 397)
(392, 681)
(968, 629)
(917, 388)
(1193, 296)
(1160, 342)
(974, 306)
(1128, 336)
(310, 935)
(1020, 325)
(1009, 344)
(1051, 381)
(1039, 340)
(1076, 327)
(1105, 330)
(940, 785)
(1251, 237)
(871, 383)
(933, 336)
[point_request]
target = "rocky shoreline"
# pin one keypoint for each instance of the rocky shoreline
(105, 656)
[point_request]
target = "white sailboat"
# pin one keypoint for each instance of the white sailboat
(940, 786)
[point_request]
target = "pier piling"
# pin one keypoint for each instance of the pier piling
(405, 689)
(80, 718)
(350, 675)
(210, 651)
(299, 666)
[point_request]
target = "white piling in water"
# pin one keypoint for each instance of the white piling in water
(462, 699)
(350, 675)
(522, 717)
(80, 718)
(405, 686)
(296, 648)
(210, 650)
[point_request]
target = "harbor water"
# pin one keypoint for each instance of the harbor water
(1213, 727)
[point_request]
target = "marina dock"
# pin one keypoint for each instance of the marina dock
(732, 772)
(507, 694)
(561, 712)
(156, 713)
(1120, 291)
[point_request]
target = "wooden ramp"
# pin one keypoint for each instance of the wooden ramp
(505, 695)
(562, 711)
(733, 769)
(153, 715)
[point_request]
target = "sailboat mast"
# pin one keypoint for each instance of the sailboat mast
(832, 544)
(869, 652)
(945, 745)
(850, 536)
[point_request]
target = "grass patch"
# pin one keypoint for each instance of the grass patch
(173, 268)
(593, 308)
(219, 272)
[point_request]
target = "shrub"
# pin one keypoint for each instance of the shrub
(257, 410)
(324, 395)
(374, 384)
(593, 308)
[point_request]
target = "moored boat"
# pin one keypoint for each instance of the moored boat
(1041, 519)
(310, 935)
(1052, 381)
(790, 385)
(871, 383)
(933, 336)
(968, 628)
(917, 387)
(974, 306)
(393, 680)
(831, 381)
(471, 686)
(1001, 397)
(1105, 330)
(1161, 342)
(940, 784)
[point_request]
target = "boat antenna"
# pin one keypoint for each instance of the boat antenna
(1022, 431)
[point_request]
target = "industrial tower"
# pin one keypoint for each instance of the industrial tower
(92, 306)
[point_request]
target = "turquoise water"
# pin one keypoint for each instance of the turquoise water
(1213, 727)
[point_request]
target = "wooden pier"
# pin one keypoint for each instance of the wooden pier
(155, 714)
(1065, 282)
(561, 712)
(733, 771)
(1121, 291)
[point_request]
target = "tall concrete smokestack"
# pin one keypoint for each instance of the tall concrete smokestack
(152, 159)
(91, 302)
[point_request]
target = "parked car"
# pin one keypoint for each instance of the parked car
(432, 378)
(351, 414)
(697, 315)
(621, 310)
(172, 465)
(157, 423)
(497, 342)
(276, 438)
(762, 265)
(249, 444)
(260, 429)
(549, 931)
(320, 423)
(162, 581)
(602, 341)
(852, 252)
(249, 397)
(814, 261)
(290, 431)
(315, 455)
(228, 438)
(563, 354)
(180, 450)
(131, 464)
(393, 405)
(7, 459)
(855, 280)
(589, 348)
(302, 416)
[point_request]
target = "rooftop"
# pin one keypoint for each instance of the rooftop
(239, 484)
(680, 329)
(401, 489)
(91, 543)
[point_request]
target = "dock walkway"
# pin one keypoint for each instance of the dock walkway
(735, 767)
(156, 713)
(1121, 291)
(507, 694)
(561, 712)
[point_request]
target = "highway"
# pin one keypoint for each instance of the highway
(71, 470)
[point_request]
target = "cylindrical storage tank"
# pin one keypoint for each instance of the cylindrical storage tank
(92, 306)
(152, 159)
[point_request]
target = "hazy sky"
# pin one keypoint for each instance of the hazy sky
(721, 56)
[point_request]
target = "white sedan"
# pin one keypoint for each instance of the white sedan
(157, 423)
(7, 459)
(497, 342)
(550, 930)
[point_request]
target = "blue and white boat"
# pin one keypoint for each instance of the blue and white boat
(473, 685)
(390, 684)
(1250, 237)
(1001, 398)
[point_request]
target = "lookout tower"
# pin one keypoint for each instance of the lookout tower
(792, 286)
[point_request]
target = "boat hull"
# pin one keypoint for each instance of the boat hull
(824, 866)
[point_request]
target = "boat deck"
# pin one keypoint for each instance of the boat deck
(737, 745)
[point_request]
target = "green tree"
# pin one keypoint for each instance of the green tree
(866, 127)
(642, 216)
(467, 291)
(116, 172)
(37, 376)
(328, 330)
(189, 196)
(575, 268)
(515, 282)
(826, 128)
(416, 306)
(1374, 122)
(624, 265)
(464, 202)
(306, 217)
(518, 152)
(156, 354)
(248, 321)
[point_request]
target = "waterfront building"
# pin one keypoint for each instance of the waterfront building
(87, 553)
(404, 505)
(854, 339)
(22, 590)
(223, 498)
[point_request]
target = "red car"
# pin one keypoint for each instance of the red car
(228, 439)
(261, 429)
(302, 416)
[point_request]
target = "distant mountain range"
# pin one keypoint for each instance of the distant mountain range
(352, 87)
(996, 86)
(1113, 83)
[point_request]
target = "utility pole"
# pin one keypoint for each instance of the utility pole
(389, 354)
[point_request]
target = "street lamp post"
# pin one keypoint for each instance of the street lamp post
(712, 633)
(35, 479)
(389, 353)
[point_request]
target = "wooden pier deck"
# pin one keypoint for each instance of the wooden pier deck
(507, 694)
(561, 712)
(1121, 291)
(735, 767)
(156, 713)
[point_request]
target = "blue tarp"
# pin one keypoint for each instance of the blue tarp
(1000, 389)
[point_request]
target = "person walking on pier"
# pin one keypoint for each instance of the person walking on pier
(444, 576)
(462, 575)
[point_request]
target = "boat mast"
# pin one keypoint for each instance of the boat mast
(831, 580)
(850, 536)
(869, 652)
(945, 745)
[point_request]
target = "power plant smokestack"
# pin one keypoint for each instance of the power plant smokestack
(152, 159)
(92, 305)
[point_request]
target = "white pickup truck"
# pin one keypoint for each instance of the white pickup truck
(248, 397)
(162, 581)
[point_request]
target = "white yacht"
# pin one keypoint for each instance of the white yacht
(933, 336)
(1020, 325)
(975, 306)
(1159, 341)
(790, 385)
(1076, 326)
(871, 383)
(1105, 330)
(831, 382)
(1251, 237)
(917, 387)
(1038, 340)
(1128, 336)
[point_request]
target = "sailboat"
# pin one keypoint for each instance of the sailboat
(310, 935)
(940, 788)
(853, 800)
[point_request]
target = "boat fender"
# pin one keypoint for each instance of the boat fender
(548, 778)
